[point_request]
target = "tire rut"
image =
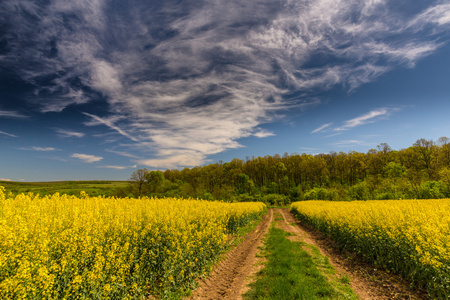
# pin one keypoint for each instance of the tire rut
(366, 281)
(227, 280)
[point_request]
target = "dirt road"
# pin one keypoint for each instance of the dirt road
(230, 278)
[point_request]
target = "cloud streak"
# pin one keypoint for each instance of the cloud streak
(11, 114)
(322, 128)
(349, 143)
(8, 134)
(109, 122)
(122, 153)
(183, 81)
(63, 133)
(118, 167)
(87, 158)
(34, 148)
(370, 117)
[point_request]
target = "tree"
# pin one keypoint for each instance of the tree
(444, 174)
(444, 151)
(394, 170)
(154, 180)
(244, 184)
(280, 171)
(425, 148)
(384, 149)
(139, 178)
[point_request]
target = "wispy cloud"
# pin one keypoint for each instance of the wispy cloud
(8, 134)
(5, 179)
(63, 133)
(183, 82)
(175, 160)
(109, 122)
(56, 158)
(439, 14)
(349, 143)
(322, 128)
(370, 117)
(11, 114)
(309, 149)
(34, 148)
(86, 157)
(262, 133)
(118, 167)
(122, 153)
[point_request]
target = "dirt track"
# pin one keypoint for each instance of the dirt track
(230, 278)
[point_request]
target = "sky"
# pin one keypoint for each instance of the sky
(95, 89)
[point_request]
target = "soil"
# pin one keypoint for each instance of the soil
(230, 279)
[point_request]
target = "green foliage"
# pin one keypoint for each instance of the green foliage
(93, 188)
(275, 200)
(420, 171)
(359, 191)
(323, 194)
(394, 170)
(245, 198)
(432, 190)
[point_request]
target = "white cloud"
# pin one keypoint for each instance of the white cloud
(183, 88)
(63, 133)
(322, 128)
(86, 157)
(109, 122)
(114, 167)
(309, 149)
(176, 160)
(349, 143)
(5, 179)
(57, 158)
(118, 167)
(11, 114)
(8, 134)
(439, 14)
(122, 153)
(262, 133)
(43, 148)
(39, 148)
(370, 117)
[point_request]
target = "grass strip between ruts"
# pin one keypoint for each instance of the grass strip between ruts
(291, 273)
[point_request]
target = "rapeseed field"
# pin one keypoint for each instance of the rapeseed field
(409, 237)
(81, 247)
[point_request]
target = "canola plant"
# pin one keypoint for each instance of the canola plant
(409, 237)
(68, 247)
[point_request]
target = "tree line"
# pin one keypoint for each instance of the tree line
(421, 171)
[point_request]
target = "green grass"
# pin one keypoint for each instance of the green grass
(93, 187)
(340, 283)
(292, 273)
(242, 231)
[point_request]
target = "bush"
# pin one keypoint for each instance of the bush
(275, 200)
(323, 194)
(359, 191)
(245, 198)
(432, 190)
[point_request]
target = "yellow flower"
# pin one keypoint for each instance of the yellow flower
(70, 247)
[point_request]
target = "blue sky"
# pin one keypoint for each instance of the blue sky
(96, 89)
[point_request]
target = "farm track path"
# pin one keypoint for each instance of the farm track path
(366, 281)
(230, 278)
